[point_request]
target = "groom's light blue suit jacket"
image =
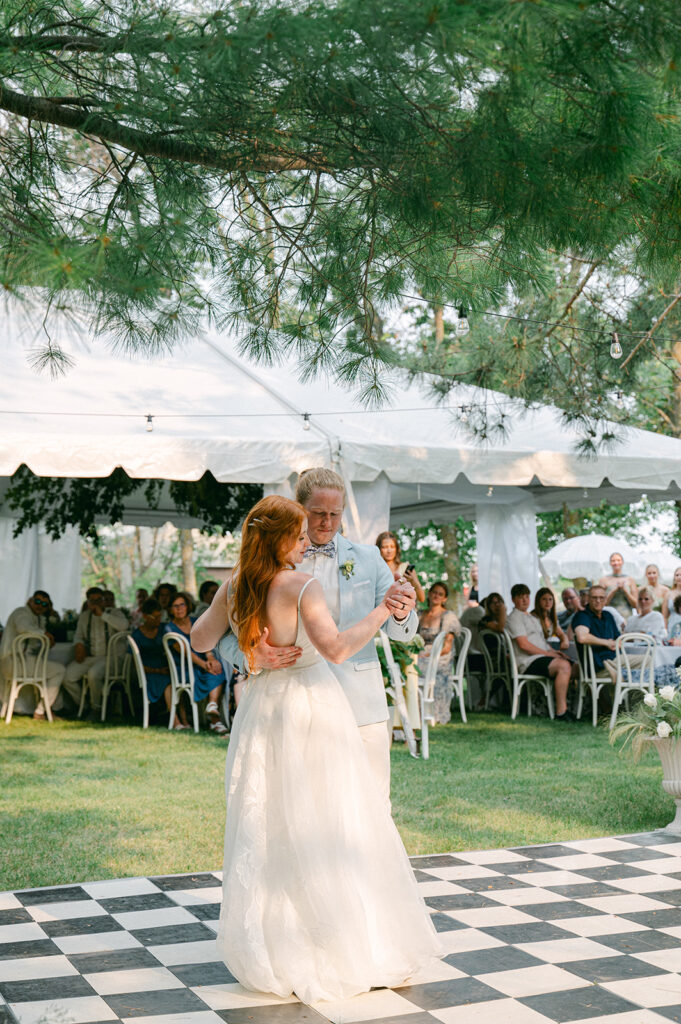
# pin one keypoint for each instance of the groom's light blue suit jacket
(360, 676)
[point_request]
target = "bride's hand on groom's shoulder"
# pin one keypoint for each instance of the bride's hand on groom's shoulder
(269, 657)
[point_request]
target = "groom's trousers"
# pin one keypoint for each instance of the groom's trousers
(376, 741)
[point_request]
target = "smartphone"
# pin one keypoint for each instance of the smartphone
(410, 567)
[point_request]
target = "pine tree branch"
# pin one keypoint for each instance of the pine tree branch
(151, 144)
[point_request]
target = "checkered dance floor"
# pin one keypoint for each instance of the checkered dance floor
(577, 931)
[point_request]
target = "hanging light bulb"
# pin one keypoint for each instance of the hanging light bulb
(615, 347)
(462, 325)
(306, 421)
(490, 491)
(619, 399)
(463, 409)
(150, 424)
(585, 493)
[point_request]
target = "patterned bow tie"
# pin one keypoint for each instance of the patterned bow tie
(326, 549)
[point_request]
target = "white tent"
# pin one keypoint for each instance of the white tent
(210, 409)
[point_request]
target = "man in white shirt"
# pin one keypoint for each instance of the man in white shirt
(30, 618)
(534, 654)
(354, 578)
(96, 625)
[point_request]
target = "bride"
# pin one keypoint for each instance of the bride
(318, 894)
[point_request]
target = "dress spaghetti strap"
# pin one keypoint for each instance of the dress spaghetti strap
(303, 589)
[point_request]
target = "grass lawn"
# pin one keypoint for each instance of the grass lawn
(82, 802)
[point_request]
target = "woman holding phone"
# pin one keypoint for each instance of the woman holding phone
(389, 546)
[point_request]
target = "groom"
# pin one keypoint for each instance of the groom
(354, 578)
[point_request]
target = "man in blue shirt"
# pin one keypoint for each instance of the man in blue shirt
(594, 627)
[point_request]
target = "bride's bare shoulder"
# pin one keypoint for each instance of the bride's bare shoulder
(290, 582)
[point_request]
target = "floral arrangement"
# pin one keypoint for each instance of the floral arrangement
(656, 717)
(403, 653)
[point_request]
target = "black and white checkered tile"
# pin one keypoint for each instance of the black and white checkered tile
(577, 931)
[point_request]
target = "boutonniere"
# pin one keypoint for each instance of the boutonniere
(348, 568)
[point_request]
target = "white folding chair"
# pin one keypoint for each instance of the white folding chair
(495, 655)
(22, 675)
(142, 677)
(117, 669)
(427, 690)
(181, 675)
(590, 680)
(462, 643)
(630, 677)
(396, 691)
(520, 680)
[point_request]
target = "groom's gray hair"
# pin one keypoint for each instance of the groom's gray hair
(318, 479)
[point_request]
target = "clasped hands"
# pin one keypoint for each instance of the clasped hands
(400, 599)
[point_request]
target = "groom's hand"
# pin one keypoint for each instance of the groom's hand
(268, 657)
(400, 599)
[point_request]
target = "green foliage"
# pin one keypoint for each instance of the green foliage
(296, 168)
(656, 716)
(423, 545)
(58, 503)
(623, 521)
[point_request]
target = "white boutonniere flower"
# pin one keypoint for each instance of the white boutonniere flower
(348, 568)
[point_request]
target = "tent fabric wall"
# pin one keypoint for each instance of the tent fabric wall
(31, 561)
(507, 548)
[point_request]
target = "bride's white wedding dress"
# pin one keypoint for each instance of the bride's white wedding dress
(319, 898)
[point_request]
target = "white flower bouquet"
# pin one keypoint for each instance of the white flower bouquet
(656, 717)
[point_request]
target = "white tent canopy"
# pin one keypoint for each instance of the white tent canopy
(212, 410)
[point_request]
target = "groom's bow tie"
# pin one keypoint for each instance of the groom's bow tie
(326, 549)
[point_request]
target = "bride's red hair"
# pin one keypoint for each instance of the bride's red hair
(269, 532)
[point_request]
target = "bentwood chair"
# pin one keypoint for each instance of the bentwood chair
(590, 681)
(525, 680)
(634, 669)
(117, 671)
(181, 674)
(29, 668)
(142, 677)
(396, 691)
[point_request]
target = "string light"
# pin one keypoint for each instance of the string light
(615, 347)
(150, 424)
(619, 399)
(462, 324)
(463, 409)
(490, 491)
(306, 421)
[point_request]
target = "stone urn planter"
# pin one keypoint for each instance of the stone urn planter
(670, 756)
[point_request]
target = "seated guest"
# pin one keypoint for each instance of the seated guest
(207, 592)
(533, 653)
(149, 638)
(495, 613)
(30, 618)
(545, 610)
(647, 621)
(109, 598)
(596, 628)
(389, 546)
(434, 620)
(164, 594)
(660, 592)
(620, 591)
(96, 625)
(573, 603)
(209, 675)
(137, 615)
(668, 606)
(620, 621)
(674, 623)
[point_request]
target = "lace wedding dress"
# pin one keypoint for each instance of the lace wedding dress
(318, 894)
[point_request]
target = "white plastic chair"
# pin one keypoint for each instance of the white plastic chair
(142, 677)
(396, 691)
(519, 680)
(462, 643)
(631, 678)
(497, 666)
(181, 676)
(21, 676)
(589, 679)
(117, 669)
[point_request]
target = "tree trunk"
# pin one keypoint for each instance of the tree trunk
(188, 571)
(571, 521)
(450, 539)
(676, 417)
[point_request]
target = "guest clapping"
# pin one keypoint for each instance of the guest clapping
(647, 621)
(389, 546)
(434, 620)
(674, 623)
(658, 589)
